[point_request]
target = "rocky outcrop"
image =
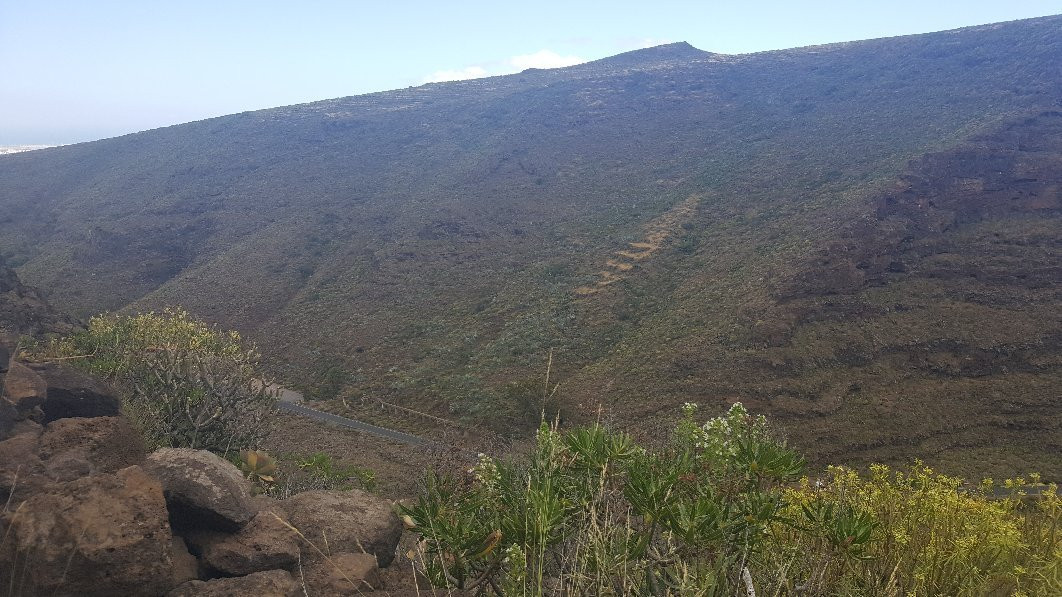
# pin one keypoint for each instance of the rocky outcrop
(65, 450)
(202, 490)
(89, 512)
(24, 389)
(74, 393)
(108, 444)
(345, 521)
(274, 583)
(49, 392)
(24, 311)
(101, 535)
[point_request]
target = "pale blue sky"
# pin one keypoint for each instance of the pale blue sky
(79, 70)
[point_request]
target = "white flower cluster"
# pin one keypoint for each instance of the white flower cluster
(719, 435)
(485, 472)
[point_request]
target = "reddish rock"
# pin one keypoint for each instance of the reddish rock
(24, 389)
(68, 466)
(345, 521)
(265, 543)
(274, 583)
(108, 443)
(98, 536)
(343, 574)
(185, 566)
(203, 491)
(21, 471)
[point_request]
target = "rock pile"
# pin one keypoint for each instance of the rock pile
(89, 512)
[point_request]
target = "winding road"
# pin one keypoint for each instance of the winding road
(291, 401)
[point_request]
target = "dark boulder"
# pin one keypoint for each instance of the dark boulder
(74, 393)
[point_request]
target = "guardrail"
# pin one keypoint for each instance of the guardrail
(326, 417)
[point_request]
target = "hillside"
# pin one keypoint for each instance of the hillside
(859, 239)
(24, 312)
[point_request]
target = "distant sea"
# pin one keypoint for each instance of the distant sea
(6, 149)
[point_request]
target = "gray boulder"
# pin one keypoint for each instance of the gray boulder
(202, 490)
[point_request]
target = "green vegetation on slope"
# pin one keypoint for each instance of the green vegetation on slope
(719, 512)
(430, 243)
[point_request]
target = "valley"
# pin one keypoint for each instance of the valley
(859, 240)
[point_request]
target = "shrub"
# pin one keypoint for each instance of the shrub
(324, 472)
(930, 535)
(185, 383)
(288, 474)
(723, 509)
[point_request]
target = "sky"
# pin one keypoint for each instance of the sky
(78, 70)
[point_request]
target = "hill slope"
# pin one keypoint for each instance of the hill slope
(829, 233)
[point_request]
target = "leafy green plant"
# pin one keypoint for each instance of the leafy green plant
(322, 467)
(722, 509)
(258, 466)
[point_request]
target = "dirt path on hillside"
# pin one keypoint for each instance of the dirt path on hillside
(623, 262)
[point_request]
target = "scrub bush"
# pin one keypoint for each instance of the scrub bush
(725, 509)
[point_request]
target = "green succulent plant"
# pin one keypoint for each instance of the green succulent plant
(259, 466)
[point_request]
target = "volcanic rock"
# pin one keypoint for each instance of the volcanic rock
(345, 521)
(265, 543)
(343, 574)
(74, 393)
(202, 490)
(98, 536)
(274, 583)
(107, 443)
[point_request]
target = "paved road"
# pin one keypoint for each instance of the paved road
(284, 394)
(292, 406)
